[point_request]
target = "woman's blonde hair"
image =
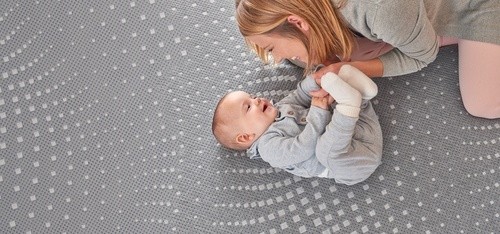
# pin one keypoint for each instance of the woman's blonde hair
(329, 36)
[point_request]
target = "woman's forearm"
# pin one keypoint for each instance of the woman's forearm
(372, 68)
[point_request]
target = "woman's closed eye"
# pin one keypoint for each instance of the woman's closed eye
(267, 49)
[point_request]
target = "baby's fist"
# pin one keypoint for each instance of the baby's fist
(321, 102)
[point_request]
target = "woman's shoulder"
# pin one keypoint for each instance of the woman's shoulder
(369, 16)
(371, 5)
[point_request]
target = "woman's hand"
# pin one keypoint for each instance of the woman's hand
(334, 67)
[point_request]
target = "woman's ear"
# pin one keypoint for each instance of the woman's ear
(298, 22)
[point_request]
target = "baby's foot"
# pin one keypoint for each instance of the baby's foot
(348, 99)
(358, 80)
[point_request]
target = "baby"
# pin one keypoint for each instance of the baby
(299, 134)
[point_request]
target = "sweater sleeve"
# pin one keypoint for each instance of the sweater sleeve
(301, 95)
(280, 150)
(404, 24)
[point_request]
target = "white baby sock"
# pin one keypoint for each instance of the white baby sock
(348, 99)
(358, 80)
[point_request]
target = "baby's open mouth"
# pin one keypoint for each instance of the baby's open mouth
(264, 108)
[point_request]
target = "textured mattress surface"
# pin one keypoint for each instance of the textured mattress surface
(105, 117)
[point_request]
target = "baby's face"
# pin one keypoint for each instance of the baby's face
(249, 114)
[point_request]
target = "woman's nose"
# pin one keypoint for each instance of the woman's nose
(276, 57)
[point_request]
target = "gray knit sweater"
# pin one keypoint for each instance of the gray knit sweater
(412, 27)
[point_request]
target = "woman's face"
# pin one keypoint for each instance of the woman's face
(281, 47)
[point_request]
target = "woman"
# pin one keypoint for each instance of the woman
(382, 38)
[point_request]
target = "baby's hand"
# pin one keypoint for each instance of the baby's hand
(322, 102)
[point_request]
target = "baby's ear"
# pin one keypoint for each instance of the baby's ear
(245, 139)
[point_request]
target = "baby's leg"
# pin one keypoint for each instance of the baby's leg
(358, 80)
(348, 99)
(351, 148)
(479, 78)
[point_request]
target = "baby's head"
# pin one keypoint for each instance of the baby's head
(240, 119)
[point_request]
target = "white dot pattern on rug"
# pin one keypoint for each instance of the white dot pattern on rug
(105, 126)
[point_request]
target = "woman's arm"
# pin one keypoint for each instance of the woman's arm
(372, 68)
(404, 25)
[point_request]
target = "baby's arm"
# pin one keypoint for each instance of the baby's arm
(301, 95)
(284, 144)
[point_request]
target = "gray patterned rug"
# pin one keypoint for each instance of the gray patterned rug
(105, 115)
